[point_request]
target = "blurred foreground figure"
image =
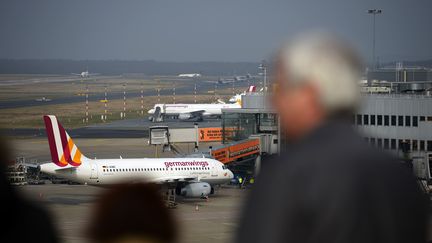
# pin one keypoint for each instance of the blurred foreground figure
(328, 185)
(23, 220)
(132, 213)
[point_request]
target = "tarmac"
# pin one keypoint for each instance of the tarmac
(130, 128)
(70, 206)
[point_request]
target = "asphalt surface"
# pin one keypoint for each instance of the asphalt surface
(71, 207)
(183, 90)
(131, 128)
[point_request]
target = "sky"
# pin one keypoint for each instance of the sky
(206, 30)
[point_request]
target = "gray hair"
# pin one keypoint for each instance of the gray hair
(327, 63)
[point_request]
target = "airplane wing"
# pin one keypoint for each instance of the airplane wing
(194, 113)
(174, 179)
(66, 169)
(79, 74)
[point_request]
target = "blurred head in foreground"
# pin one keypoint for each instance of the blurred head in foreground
(317, 79)
(22, 220)
(132, 213)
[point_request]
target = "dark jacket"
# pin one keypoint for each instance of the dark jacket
(23, 220)
(333, 187)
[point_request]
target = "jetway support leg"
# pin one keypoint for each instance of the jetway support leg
(257, 164)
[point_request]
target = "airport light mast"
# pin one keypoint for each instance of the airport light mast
(263, 66)
(374, 12)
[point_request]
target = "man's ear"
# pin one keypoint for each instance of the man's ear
(313, 96)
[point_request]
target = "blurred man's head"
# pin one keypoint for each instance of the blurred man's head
(132, 213)
(317, 79)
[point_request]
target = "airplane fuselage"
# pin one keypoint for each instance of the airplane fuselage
(208, 109)
(114, 171)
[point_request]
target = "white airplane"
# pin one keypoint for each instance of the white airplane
(189, 75)
(192, 177)
(187, 112)
(237, 97)
(230, 80)
(198, 112)
(85, 74)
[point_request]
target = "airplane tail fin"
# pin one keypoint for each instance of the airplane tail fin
(251, 89)
(63, 149)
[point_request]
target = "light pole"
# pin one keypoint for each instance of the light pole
(263, 66)
(374, 12)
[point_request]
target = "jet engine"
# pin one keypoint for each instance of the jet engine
(185, 116)
(197, 189)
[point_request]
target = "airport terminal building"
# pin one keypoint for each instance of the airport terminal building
(399, 121)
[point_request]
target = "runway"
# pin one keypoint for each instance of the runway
(186, 89)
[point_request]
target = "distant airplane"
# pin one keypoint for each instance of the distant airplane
(192, 177)
(237, 97)
(189, 75)
(43, 99)
(85, 74)
(233, 79)
(187, 112)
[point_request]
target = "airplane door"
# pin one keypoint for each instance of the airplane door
(94, 170)
(214, 171)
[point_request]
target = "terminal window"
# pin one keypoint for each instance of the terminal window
(379, 142)
(393, 120)
(407, 121)
(386, 143)
(379, 120)
(393, 144)
(372, 141)
(400, 121)
(422, 118)
(365, 119)
(422, 145)
(386, 120)
(415, 121)
(429, 146)
(372, 120)
(414, 145)
(359, 119)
